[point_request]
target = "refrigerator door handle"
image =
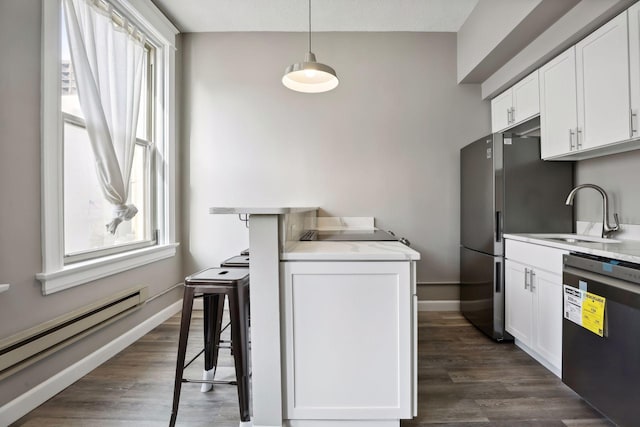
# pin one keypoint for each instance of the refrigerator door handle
(498, 277)
(498, 227)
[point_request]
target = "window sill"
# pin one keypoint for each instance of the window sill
(87, 271)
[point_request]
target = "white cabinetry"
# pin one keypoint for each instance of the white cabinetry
(634, 65)
(533, 300)
(517, 104)
(584, 95)
(349, 341)
(602, 60)
(558, 109)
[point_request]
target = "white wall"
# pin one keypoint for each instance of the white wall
(23, 305)
(385, 143)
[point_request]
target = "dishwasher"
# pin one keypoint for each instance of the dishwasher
(601, 334)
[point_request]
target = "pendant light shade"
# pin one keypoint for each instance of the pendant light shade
(310, 76)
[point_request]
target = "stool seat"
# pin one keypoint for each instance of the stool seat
(218, 276)
(214, 284)
(236, 261)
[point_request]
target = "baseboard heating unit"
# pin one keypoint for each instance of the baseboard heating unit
(27, 347)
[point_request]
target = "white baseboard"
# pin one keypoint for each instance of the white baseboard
(30, 400)
(445, 305)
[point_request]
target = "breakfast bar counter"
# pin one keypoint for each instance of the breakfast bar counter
(309, 297)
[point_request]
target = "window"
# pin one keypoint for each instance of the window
(77, 247)
(85, 209)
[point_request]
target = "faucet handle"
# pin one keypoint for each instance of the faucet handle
(617, 226)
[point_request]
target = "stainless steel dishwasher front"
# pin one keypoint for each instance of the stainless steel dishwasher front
(603, 370)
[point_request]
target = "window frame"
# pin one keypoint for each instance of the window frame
(149, 145)
(56, 275)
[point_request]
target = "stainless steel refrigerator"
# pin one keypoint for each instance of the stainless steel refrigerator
(505, 188)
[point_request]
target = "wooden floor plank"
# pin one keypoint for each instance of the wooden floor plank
(464, 380)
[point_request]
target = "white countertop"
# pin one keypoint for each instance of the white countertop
(260, 210)
(625, 250)
(347, 251)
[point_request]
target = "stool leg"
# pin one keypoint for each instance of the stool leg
(185, 321)
(239, 338)
(213, 310)
(219, 312)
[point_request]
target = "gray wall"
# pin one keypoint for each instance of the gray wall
(23, 306)
(385, 143)
(479, 36)
(619, 175)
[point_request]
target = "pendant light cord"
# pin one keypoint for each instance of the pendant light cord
(309, 25)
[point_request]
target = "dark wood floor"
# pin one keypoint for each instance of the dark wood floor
(464, 380)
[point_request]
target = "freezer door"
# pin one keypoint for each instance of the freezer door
(482, 292)
(479, 216)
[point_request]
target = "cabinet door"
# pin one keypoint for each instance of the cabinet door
(558, 111)
(634, 66)
(347, 333)
(547, 316)
(501, 111)
(603, 85)
(526, 98)
(518, 300)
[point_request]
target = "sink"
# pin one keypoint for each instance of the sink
(575, 238)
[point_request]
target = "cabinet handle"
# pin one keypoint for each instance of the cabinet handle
(513, 114)
(571, 144)
(508, 116)
(526, 278)
(532, 274)
(578, 138)
(634, 117)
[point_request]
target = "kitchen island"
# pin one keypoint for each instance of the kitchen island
(333, 331)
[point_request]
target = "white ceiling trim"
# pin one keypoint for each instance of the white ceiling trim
(327, 15)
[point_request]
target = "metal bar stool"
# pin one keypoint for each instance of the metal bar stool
(236, 261)
(213, 310)
(213, 306)
(216, 283)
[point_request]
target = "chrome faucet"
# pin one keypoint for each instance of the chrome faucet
(606, 227)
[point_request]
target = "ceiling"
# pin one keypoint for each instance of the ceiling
(327, 15)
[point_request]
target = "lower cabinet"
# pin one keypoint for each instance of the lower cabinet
(533, 301)
(349, 340)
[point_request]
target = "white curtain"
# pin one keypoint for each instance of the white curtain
(108, 63)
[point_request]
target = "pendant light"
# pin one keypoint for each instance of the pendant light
(310, 76)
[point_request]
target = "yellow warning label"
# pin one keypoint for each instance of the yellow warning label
(593, 313)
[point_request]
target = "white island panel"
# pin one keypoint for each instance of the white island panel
(347, 332)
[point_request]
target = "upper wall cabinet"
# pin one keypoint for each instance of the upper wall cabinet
(558, 111)
(585, 108)
(516, 105)
(602, 69)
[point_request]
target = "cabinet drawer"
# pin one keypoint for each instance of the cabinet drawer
(539, 256)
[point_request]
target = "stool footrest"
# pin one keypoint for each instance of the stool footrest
(231, 382)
